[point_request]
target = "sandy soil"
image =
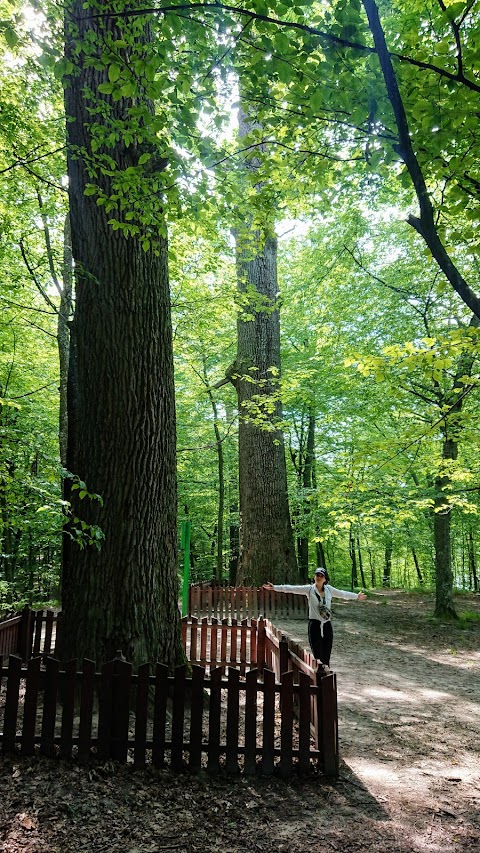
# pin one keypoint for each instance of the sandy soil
(409, 722)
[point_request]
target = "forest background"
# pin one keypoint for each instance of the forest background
(356, 164)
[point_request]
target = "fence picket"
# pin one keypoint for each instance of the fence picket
(105, 711)
(47, 737)
(233, 642)
(159, 715)
(253, 642)
(193, 639)
(178, 716)
(244, 629)
(283, 657)
(38, 625)
(47, 643)
(121, 683)
(223, 649)
(141, 715)
(25, 636)
(203, 640)
(68, 708)
(86, 709)
(304, 722)
(261, 642)
(233, 718)
(251, 702)
(328, 733)
(268, 722)
(286, 726)
(11, 703)
(32, 682)
(213, 642)
(213, 763)
(196, 718)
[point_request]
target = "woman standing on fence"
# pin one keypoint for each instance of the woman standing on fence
(319, 594)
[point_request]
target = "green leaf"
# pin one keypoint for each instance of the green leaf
(105, 88)
(11, 37)
(62, 68)
(114, 73)
(128, 89)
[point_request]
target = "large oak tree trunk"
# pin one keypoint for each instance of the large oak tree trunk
(267, 549)
(121, 440)
(306, 481)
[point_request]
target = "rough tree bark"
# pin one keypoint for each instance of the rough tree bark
(121, 440)
(387, 568)
(267, 550)
(305, 477)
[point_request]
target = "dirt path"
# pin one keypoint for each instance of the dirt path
(409, 721)
(409, 716)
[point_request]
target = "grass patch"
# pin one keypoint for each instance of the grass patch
(468, 619)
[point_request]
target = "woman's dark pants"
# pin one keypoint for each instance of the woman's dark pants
(321, 646)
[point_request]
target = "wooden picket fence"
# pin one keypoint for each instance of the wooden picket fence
(253, 701)
(29, 633)
(118, 718)
(229, 602)
(9, 635)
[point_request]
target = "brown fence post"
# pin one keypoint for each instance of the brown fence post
(178, 716)
(25, 635)
(251, 701)
(233, 716)
(47, 738)
(328, 723)
(261, 635)
(141, 714)
(268, 745)
(11, 704)
(284, 655)
(120, 719)
(86, 709)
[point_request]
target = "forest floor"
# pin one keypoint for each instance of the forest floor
(409, 723)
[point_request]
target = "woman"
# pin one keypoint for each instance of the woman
(319, 594)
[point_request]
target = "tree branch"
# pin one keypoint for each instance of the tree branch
(425, 224)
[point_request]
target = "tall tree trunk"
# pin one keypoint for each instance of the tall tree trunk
(121, 443)
(306, 477)
(320, 553)
(453, 401)
(267, 550)
(417, 567)
(472, 566)
(221, 478)
(353, 557)
(373, 576)
(442, 538)
(63, 339)
(233, 534)
(387, 569)
(360, 563)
